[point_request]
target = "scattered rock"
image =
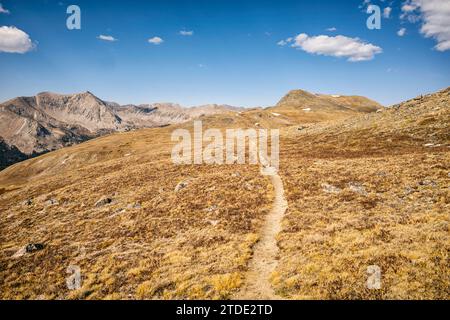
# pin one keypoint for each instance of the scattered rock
(33, 247)
(428, 183)
(182, 185)
(135, 205)
(301, 128)
(357, 188)
(211, 209)
(27, 202)
(409, 190)
(103, 201)
(51, 202)
(248, 186)
(237, 175)
(328, 188)
(20, 253)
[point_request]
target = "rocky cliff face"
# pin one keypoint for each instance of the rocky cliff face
(10, 154)
(49, 121)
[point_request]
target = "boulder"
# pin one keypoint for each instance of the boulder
(33, 247)
(103, 201)
(357, 188)
(51, 202)
(182, 185)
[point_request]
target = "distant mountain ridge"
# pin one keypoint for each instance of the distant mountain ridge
(305, 99)
(30, 126)
(49, 121)
(312, 107)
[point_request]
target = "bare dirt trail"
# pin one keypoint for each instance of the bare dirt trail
(257, 285)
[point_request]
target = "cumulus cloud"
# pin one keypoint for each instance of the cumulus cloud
(339, 46)
(435, 17)
(156, 40)
(13, 40)
(401, 32)
(186, 33)
(332, 29)
(106, 38)
(387, 12)
(3, 10)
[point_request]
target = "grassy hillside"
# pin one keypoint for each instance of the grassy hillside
(370, 189)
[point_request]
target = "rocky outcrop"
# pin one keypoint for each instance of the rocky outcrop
(49, 121)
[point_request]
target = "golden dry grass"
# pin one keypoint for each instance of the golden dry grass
(388, 174)
(372, 190)
(191, 244)
(401, 225)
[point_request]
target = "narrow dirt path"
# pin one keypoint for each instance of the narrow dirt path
(264, 261)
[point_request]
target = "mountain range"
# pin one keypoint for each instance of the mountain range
(31, 126)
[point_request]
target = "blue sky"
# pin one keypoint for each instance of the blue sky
(232, 56)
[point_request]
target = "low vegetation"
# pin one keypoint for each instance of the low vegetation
(372, 190)
(147, 241)
(368, 190)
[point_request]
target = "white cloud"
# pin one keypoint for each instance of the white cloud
(435, 17)
(13, 40)
(156, 40)
(186, 33)
(285, 42)
(409, 12)
(3, 10)
(401, 32)
(332, 29)
(339, 46)
(106, 38)
(387, 12)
